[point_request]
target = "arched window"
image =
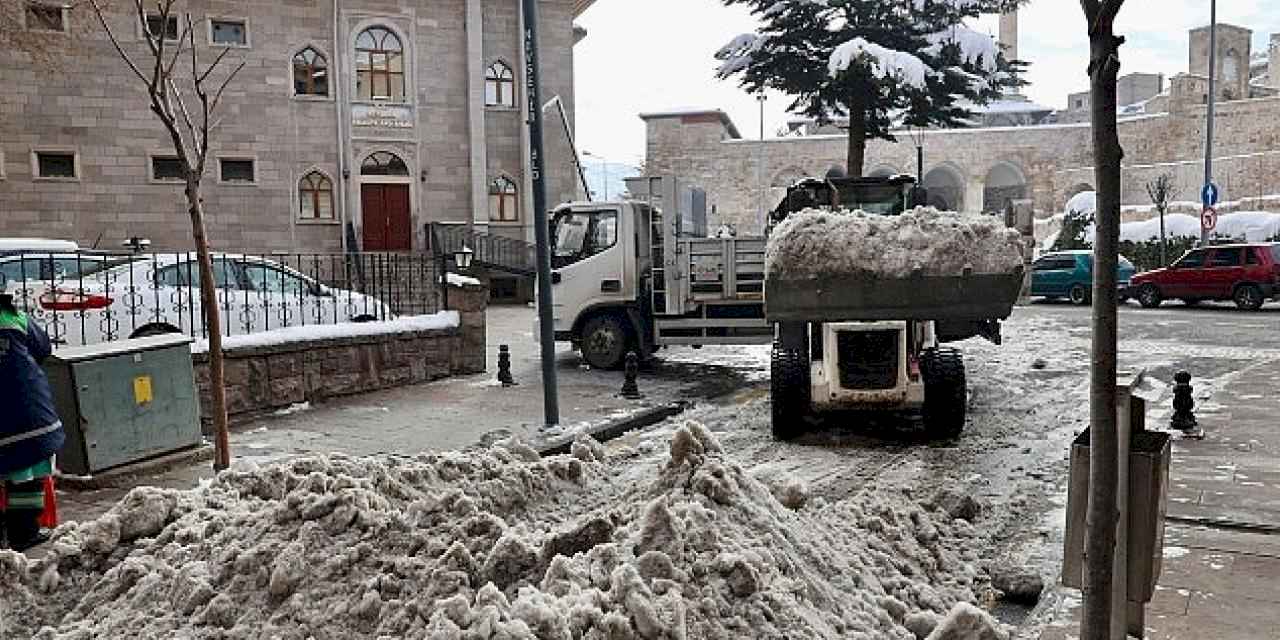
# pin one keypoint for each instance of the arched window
(310, 73)
(315, 197)
(499, 86)
(379, 65)
(503, 204)
(383, 163)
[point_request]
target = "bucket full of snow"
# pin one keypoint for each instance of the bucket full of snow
(921, 265)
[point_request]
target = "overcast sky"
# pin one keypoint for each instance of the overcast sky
(651, 55)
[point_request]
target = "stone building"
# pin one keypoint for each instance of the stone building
(983, 169)
(352, 125)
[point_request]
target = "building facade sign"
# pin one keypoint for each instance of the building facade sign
(382, 116)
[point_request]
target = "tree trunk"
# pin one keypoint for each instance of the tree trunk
(1102, 516)
(857, 137)
(213, 325)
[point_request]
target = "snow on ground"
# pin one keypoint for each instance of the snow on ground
(500, 544)
(441, 320)
(816, 243)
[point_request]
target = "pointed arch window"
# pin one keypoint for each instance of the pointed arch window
(310, 73)
(499, 86)
(504, 205)
(383, 163)
(315, 197)
(379, 65)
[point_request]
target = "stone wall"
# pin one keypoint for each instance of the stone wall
(1055, 161)
(261, 380)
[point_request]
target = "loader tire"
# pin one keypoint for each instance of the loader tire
(945, 396)
(790, 390)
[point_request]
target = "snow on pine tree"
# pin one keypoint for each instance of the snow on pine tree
(880, 63)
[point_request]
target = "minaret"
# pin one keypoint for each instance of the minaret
(1009, 34)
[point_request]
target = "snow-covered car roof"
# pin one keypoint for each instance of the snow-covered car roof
(33, 245)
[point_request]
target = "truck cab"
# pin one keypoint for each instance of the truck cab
(641, 274)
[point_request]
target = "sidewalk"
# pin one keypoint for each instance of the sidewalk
(1222, 535)
(453, 413)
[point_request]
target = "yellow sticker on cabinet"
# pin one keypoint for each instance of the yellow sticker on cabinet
(142, 390)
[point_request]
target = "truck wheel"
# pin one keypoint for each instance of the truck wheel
(1149, 296)
(945, 399)
(790, 391)
(1248, 297)
(604, 342)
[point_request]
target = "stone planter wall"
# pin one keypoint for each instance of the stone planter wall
(262, 380)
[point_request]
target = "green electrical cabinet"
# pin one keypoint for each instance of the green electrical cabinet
(123, 402)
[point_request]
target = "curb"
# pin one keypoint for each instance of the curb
(614, 429)
(129, 474)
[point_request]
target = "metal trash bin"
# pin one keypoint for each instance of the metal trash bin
(1149, 456)
(124, 402)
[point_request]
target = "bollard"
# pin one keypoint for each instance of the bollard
(630, 390)
(1184, 404)
(504, 366)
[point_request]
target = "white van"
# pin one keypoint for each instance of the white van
(36, 245)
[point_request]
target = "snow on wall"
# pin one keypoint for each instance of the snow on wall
(442, 320)
(499, 544)
(814, 244)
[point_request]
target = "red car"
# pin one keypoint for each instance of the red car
(1249, 274)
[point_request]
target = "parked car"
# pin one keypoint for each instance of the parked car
(1248, 274)
(157, 294)
(55, 267)
(1069, 274)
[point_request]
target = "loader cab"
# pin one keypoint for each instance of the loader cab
(884, 196)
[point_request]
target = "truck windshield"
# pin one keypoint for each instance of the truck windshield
(882, 200)
(581, 234)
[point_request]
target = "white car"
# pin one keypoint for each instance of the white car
(156, 294)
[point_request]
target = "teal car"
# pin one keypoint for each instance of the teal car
(1069, 274)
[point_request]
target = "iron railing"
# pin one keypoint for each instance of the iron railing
(489, 251)
(92, 297)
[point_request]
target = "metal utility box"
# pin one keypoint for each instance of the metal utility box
(123, 402)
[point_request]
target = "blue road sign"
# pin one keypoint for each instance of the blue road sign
(1209, 195)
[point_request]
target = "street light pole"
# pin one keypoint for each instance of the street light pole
(1213, 98)
(760, 167)
(541, 226)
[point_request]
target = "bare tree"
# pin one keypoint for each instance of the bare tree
(169, 90)
(1102, 514)
(1162, 191)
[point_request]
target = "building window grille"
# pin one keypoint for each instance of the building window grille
(503, 202)
(499, 86)
(310, 73)
(315, 197)
(379, 66)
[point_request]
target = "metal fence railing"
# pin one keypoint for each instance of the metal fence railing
(92, 297)
(489, 251)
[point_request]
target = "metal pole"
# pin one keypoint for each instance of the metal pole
(760, 168)
(1213, 98)
(533, 90)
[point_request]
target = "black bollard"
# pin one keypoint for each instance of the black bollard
(1184, 404)
(630, 390)
(504, 366)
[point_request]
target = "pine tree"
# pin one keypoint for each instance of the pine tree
(878, 63)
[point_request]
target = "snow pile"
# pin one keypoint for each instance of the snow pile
(289, 335)
(498, 544)
(925, 241)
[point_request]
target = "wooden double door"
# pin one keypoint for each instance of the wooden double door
(388, 224)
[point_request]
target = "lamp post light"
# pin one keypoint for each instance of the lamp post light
(463, 258)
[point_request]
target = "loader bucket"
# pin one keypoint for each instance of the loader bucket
(869, 297)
